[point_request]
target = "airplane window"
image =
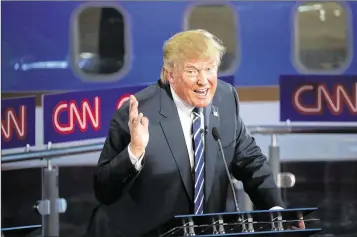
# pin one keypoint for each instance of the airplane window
(100, 41)
(220, 20)
(321, 37)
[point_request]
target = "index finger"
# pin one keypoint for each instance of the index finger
(133, 109)
(132, 100)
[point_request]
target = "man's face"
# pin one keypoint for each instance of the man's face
(195, 81)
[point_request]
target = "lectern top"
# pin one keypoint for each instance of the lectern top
(276, 222)
(304, 211)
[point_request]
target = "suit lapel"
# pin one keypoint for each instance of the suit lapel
(211, 146)
(171, 126)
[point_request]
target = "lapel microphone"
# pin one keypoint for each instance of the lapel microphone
(217, 137)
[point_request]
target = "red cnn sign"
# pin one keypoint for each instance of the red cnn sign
(18, 122)
(318, 98)
(81, 116)
(336, 100)
(14, 123)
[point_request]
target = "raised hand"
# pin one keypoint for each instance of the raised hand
(139, 128)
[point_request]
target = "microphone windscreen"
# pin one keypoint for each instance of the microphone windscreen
(215, 133)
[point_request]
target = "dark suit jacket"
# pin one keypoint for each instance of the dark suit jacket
(135, 203)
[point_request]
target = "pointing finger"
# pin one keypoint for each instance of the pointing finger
(133, 110)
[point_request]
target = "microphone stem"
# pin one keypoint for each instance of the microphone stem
(229, 176)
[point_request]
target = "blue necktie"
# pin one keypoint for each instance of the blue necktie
(199, 161)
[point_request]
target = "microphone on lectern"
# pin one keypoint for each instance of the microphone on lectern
(217, 137)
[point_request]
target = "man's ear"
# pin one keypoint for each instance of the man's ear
(170, 77)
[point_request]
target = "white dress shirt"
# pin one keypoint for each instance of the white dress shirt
(186, 117)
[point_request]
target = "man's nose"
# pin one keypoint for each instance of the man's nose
(203, 79)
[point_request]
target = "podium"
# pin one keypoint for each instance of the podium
(253, 223)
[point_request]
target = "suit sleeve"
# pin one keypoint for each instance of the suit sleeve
(115, 172)
(250, 166)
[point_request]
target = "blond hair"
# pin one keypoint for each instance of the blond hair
(191, 44)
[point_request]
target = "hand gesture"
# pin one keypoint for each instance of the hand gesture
(139, 128)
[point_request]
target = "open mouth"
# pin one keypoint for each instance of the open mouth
(201, 92)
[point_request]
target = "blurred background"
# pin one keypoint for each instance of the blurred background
(79, 49)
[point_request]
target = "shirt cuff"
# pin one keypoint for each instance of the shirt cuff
(135, 161)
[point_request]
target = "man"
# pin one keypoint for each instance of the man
(160, 158)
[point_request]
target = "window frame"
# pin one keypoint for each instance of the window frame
(237, 61)
(74, 45)
(295, 44)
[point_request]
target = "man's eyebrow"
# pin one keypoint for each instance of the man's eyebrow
(190, 66)
(208, 65)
